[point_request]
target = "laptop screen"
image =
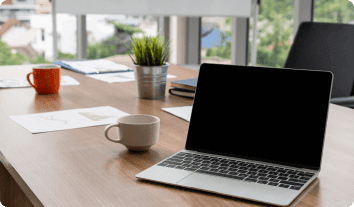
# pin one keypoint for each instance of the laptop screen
(258, 113)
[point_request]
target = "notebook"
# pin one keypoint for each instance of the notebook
(184, 88)
(261, 139)
(99, 66)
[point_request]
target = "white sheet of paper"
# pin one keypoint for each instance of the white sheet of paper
(69, 119)
(118, 77)
(96, 66)
(17, 82)
(183, 112)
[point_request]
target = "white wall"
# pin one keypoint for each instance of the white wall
(12, 34)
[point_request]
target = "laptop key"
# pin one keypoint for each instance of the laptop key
(273, 173)
(224, 171)
(171, 163)
(220, 174)
(253, 176)
(190, 169)
(214, 170)
(262, 182)
(205, 168)
(186, 165)
(282, 178)
(295, 187)
(242, 175)
(179, 167)
(162, 164)
(263, 178)
(172, 166)
(291, 183)
(175, 160)
(274, 180)
(273, 184)
(296, 180)
(283, 185)
(233, 173)
(250, 180)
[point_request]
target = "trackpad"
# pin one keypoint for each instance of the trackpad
(213, 183)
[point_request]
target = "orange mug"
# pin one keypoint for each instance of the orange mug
(46, 78)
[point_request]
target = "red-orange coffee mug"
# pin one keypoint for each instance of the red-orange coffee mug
(46, 78)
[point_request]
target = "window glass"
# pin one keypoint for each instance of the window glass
(275, 32)
(334, 11)
(21, 24)
(106, 34)
(216, 40)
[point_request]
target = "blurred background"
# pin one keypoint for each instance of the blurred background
(26, 32)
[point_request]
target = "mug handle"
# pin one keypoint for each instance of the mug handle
(29, 79)
(106, 132)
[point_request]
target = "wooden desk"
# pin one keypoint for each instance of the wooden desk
(80, 167)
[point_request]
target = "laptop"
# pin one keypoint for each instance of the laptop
(255, 133)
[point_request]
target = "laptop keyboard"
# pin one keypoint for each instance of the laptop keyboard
(239, 170)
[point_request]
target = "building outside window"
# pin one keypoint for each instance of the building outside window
(216, 40)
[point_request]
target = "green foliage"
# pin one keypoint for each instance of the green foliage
(38, 60)
(275, 21)
(127, 28)
(220, 51)
(7, 58)
(338, 11)
(62, 55)
(100, 50)
(150, 51)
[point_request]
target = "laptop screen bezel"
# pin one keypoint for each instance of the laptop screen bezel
(253, 158)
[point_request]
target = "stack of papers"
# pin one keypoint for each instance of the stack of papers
(118, 77)
(69, 119)
(183, 112)
(93, 66)
(17, 82)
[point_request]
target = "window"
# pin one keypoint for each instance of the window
(334, 11)
(216, 40)
(275, 32)
(106, 34)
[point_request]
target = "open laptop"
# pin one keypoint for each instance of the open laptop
(255, 133)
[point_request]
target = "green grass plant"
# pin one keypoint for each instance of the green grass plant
(149, 51)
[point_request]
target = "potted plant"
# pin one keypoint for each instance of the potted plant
(151, 54)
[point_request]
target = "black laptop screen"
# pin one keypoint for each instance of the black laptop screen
(259, 113)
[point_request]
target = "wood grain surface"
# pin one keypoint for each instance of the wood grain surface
(80, 167)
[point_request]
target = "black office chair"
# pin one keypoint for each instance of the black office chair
(329, 47)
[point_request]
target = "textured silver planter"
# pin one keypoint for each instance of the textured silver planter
(150, 81)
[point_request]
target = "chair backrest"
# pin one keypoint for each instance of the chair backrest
(328, 47)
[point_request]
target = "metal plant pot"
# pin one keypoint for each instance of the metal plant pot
(150, 81)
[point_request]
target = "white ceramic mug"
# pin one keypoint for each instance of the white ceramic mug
(137, 132)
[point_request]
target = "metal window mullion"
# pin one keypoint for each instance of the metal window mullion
(54, 32)
(239, 41)
(81, 37)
